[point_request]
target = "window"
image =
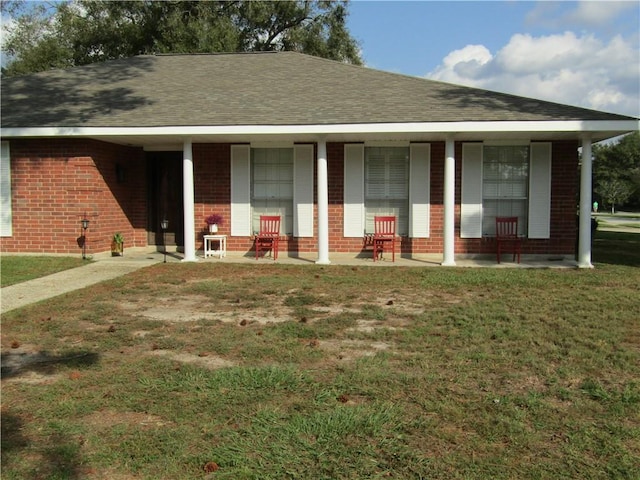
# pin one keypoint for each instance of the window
(387, 186)
(272, 186)
(505, 186)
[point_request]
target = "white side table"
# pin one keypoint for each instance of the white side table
(209, 243)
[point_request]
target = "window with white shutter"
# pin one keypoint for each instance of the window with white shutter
(387, 186)
(272, 186)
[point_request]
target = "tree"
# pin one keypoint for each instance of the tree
(616, 169)
(80, 32)
(614, 192)
(29, 32)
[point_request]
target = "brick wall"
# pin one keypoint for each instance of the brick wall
(212, 190)
(56, 182)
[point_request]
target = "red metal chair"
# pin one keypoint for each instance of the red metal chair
(507, 236)
(384, 237)
(269, 236)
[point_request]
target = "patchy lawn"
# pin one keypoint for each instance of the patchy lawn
(222, 371)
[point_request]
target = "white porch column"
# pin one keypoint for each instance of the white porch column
(584, 230)
(323, 204)
(448, 229)
(188, 202)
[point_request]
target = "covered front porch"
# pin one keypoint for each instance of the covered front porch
(449, 186)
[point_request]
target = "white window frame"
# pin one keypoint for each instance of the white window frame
(387, 198)
(508, 193)
(272, 186)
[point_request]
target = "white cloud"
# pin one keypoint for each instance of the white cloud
(468, 62)
(599, 12)
(587, 13)
(565, 68)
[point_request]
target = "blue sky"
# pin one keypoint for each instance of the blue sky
(583, 53)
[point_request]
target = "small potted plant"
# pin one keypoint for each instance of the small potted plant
(214, 220)
(117, 244)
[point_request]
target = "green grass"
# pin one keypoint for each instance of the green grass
(613, 226)
(616, 248)
(466, 374)
(16, 269)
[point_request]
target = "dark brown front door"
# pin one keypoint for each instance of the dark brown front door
(165, 198)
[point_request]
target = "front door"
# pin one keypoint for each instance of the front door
(165, 198)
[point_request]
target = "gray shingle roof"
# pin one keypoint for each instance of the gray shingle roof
(283, 88)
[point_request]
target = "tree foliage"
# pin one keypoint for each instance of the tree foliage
(616, 172)
(614, 191)
(79, 32)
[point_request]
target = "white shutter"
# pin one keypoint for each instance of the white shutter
(419, 188)
(540, 190)
(471, 208)
(5, 191)
(303, 191)
(240, 190)
(353, 190)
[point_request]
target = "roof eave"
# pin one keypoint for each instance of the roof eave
(597, 130)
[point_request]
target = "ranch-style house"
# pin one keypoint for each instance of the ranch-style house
(325, 145)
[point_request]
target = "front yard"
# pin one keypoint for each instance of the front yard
(224, 371)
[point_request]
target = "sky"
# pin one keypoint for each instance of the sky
(584, 53)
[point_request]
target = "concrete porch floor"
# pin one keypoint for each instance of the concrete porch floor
(434, 260)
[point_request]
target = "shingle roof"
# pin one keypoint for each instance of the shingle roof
(282, 88)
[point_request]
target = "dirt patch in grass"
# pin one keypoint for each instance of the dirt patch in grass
(370, 326)
(353, 349)
(35, 378)
(334, 309)
(195, 308)
(180, 309)
(106, 419)
(203, 359)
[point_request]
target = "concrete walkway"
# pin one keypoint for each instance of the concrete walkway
(106, 268)
(36, 290)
